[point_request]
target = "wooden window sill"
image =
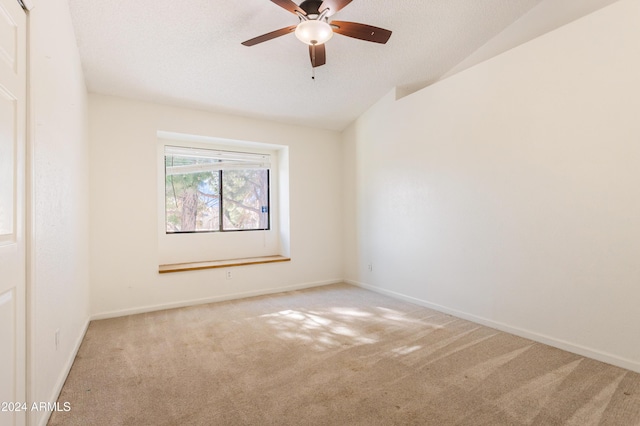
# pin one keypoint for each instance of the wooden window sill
(195, 266)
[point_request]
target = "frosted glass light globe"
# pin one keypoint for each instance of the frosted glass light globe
(313, 32)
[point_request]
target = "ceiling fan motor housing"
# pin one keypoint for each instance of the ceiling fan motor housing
(311, 7)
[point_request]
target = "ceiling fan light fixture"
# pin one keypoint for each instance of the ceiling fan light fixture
(314, 32)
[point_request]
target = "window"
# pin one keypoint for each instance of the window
(215, 191)
(236, 193)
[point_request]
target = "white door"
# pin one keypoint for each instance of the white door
(13, 50)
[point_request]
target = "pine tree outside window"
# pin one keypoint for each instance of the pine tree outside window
(215, 191)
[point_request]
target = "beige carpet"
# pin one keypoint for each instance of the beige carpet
(335, 355)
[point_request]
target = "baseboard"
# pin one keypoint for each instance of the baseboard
(184, 303)
(527, 334)
(64, 373)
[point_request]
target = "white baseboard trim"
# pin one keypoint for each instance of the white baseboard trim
(222, 298)
(527, 334)
(62, 377)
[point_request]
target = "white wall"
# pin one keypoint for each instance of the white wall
(508, 193)
(124, 202)
(59, 211)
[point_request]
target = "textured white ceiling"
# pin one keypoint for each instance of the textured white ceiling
(188, 53)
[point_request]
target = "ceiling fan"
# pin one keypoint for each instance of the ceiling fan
(315, 28)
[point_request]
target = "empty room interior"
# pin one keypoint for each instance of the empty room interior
(321, 212)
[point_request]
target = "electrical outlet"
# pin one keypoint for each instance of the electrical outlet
(370, 267)
(229, 275)
(57, 338)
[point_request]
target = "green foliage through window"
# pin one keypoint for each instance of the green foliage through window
(207, 191)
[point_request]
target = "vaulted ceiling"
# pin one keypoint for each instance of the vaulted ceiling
(189, 53)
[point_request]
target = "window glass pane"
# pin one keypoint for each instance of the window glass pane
(245, 195)
(192, 199)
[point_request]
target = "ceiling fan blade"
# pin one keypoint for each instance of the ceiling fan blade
(290, 6)
(318, 55)
(361, 31)
(333, 5)
(269, 36)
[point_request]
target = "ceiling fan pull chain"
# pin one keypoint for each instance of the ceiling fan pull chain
(313, 62)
